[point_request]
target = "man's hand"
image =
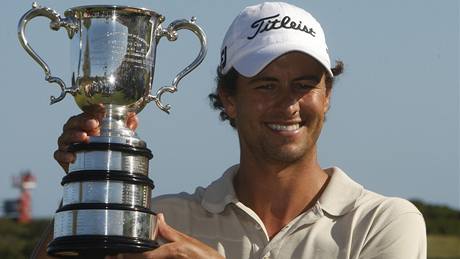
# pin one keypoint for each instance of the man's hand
(78, 129)
(179, 246)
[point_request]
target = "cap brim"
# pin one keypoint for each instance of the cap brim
(255, 61)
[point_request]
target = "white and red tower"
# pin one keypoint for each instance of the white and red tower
(25, 182)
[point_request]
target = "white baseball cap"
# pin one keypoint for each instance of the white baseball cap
(262, 33)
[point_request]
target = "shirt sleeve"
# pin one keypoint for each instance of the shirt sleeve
(399, 234)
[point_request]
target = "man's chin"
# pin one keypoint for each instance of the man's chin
(286, 154)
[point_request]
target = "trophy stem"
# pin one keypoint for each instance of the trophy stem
(113, 128)
(114, 122)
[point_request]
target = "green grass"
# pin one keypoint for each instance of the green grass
(443, 247)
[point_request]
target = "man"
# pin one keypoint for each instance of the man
(274, 86)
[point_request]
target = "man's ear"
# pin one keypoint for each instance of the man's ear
(228, 101)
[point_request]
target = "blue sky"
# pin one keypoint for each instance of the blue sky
(393, 125)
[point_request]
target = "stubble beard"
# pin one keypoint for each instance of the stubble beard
(284, 154)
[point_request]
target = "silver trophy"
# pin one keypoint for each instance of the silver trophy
(106, 202)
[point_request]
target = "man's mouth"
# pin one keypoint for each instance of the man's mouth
(283, 127)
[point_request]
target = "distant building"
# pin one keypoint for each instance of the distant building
(20, 209)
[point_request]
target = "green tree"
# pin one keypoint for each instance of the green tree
(18, 240)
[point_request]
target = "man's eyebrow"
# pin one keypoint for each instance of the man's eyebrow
(263, 79)
(314, 78)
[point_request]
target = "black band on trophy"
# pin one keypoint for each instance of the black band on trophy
(104, 206)
(92, 246)
(100, 175)
(95, 146)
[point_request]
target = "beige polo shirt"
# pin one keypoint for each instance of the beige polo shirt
(348, 221)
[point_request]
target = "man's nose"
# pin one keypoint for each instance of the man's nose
(288, 102)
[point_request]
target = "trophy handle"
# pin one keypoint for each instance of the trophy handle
(171, 34)
(56, 23)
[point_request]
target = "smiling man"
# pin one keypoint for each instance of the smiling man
(275, 83)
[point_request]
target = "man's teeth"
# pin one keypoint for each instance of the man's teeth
(279, 127)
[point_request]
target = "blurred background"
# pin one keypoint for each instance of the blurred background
(393, 125)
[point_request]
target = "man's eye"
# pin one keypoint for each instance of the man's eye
(304, 86)
(266, 87)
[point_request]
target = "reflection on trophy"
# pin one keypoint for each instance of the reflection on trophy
(106, 202)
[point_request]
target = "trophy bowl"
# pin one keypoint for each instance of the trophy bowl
(106, 206)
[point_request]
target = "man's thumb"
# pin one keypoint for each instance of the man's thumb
(165, 231)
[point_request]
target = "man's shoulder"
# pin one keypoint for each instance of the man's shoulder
(212, 199)
(344, 196)
(389, 218)
(177, 201)
(385, 206)
(180, 209)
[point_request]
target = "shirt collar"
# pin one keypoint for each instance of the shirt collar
(220, 192)
(341, 193)
(338, 198)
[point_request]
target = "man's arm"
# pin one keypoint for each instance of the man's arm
(402, 236)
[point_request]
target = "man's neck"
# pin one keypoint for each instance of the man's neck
(278, 193)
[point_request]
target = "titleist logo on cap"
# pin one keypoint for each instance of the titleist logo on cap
(273, 23)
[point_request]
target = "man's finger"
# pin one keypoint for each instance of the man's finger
(64, 157)
(132, 121)
(82, 121)
(71, 136)
(166, 232)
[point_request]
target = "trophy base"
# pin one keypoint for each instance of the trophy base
(91, 246)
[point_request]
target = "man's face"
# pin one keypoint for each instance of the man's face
(279, 112)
